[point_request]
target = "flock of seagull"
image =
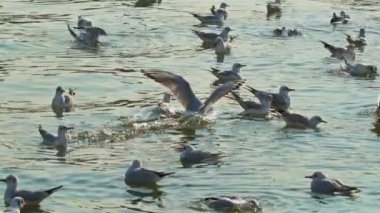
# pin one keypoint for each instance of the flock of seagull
(228, 82)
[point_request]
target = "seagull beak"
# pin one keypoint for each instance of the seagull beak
(3, 180)
(291, 89)
(243, 65)
(309, 176)
(70, 127)
(323, 121)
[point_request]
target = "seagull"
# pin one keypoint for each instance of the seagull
(183, 92)
(136, 175)
(146, 3)
(274, 7)
(222, 47)
(299, 121)
(62, 102)
(209, 38)
(322, 184)
(360, 70)
(339, 52)
(222, 9)
(280, 101)
(343, 18)
(253, 109)
(30, 197)
(190, 156)
(217, 19)
(16, 204)
(285, 32)
(232, 203)
(360, 41)
(88, 36)
(83, 23)
(56, 140)
(228, 75)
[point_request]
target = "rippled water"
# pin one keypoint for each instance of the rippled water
(262, 160)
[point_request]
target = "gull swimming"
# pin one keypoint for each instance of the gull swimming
(339, 52)
(190, 156)
(56, 140)
(16, 204)
(228, 75)
(83, 23)
(298, 121)
(62, 102)
(360, 70)
(232, 203)
(146, 3)
(136, 175)
(30, 197)
(285, 32)
(183, 92)
(253, 109)
(322, 184)
(274, 7)
(343, 18)
(89, 36)
(217, 19)
(210, 38)
(222, 9)
(360, 41)
(280, 101)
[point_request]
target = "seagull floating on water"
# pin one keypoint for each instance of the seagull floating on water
(360, 41)
(232, 204)
(217, 19)
(228, 75)
(322, 184)
(190, 156)
(222, 9)
(253, 109)
(339, 52)
(210, 38)
(298, 121)
(360, 70)
(285, 32)
(89, 36)
(62, 102)
(280, 101)
(343, 18)
(16, 204)
(30, 197)
(183, 92)
(146, 3)
(136, 175)
(56, 140)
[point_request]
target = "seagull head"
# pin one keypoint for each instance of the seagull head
(285, 89)
(227, 29)
(63, 129)
(188, 148)
(317, 175)
(223, 5)
(362, 32)
(11, 181)
(136, 164)
(59, 90)
(254, 204)
(17, 202)
(318, 119)
(342, 14)
(236, 67)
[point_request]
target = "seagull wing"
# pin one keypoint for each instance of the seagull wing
(178, 86)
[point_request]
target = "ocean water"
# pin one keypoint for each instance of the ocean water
(114, 100)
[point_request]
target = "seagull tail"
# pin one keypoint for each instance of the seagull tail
(326, 45)
(163, 174)
(72, 33)
(51, 191)
(251, 89)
